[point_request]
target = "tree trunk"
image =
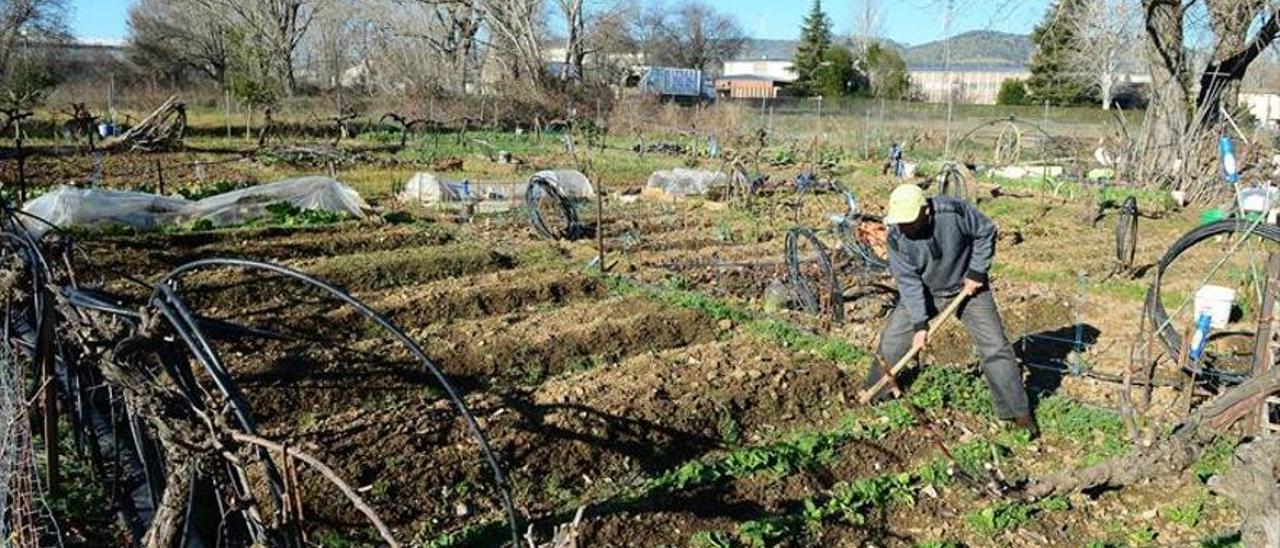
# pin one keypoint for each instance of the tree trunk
(573, 50)
(1166, 118)
(1250, 483)
(1181, 130)
(1232, 55)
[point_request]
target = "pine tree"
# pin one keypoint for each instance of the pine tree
(815, 38)
(1055, 38)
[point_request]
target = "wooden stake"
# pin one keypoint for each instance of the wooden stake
(1263, 348)
(604, 265)
(159, 178)
(49, 391)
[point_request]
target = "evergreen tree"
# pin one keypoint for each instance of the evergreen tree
(837, 77)
(1055, 38)
(1012, 92)
(815, 39)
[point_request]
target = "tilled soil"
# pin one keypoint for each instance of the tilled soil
(582, 390)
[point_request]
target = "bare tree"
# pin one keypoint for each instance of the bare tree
(600, 31)
(1183, 119)
(175, 35)
(26, 22)
(1106, 32)
(575, 36)
(450, 28)
(27, 27)
(695, 35)
(516, 30)
(868, 23)
(612, 46)
(275, 27)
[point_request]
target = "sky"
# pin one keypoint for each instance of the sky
(907, 21)
(100, 19)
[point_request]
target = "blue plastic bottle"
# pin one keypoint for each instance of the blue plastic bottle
(1201, 337)
(1230, 170)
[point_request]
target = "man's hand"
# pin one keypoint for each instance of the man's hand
(920, 340)
(971, 287)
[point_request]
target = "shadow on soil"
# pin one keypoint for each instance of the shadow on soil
(1050, 352)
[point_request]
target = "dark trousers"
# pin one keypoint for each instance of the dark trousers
(980, 317)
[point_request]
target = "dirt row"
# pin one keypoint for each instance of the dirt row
(599, 429)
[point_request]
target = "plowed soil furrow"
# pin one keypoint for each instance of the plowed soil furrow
(529, 346)
(578, 432)
(280, 243)
(767, 251)
(288, 379)
(237, 289)
(481, 295)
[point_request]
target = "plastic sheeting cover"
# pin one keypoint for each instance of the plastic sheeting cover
(314, 192)
(94, 208)
(685, 182)
(571, 183)
(430, 188)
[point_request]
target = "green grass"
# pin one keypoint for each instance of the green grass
(1215, 458)
(1102, 431)
(1188, 513)
(805, 450)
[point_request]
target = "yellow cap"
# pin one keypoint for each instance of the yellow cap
(904, 204)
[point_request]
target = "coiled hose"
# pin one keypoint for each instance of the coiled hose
(1159, 317)
(540, 189)
(810, 297)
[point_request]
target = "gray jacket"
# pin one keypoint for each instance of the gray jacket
(959, 243)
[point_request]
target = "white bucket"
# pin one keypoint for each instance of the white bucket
(1216, 301)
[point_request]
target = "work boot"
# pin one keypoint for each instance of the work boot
(1028, 423)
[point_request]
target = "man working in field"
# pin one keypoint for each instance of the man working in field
(941, 247)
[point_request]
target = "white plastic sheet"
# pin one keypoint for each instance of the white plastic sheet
(571, 183)
(314, 192)
(94, 208)
(686, 182)
(429, 188)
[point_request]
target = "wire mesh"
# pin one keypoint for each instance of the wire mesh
(26, 521)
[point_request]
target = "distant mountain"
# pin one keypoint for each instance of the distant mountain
(764, 49)
(980, 47)
(976, 48)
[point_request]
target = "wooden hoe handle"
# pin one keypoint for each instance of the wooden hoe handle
(866, 395)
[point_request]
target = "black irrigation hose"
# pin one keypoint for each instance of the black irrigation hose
(857, 249)
(953, 183)
(1159, 317)
(809, 296)
(482, 440)
(1127, 233)
(167, 302)
(539, 189)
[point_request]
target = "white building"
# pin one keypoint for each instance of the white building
(778, 70)
(967, 84)
(1265, 106)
